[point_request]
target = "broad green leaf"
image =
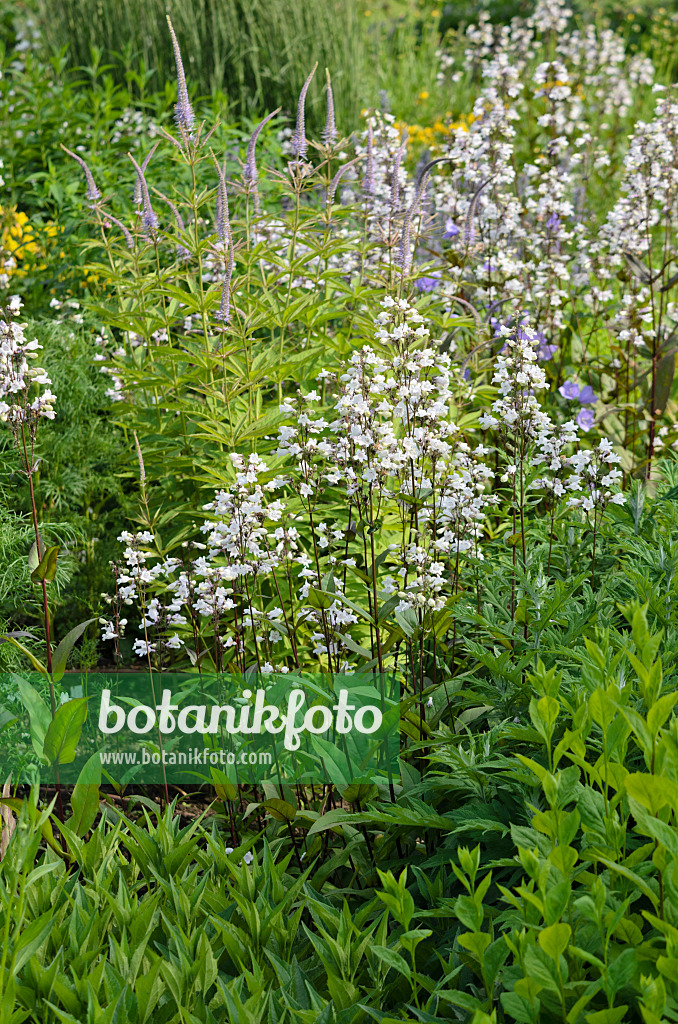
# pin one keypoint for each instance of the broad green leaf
(85, 796)
(622, 971)
(64, 731)
(651, 791)
(613, 1016)
(39, 714)
(554, 939)
(660, 712)
(392, 959)
(281, 810)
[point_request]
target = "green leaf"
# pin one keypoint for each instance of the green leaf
(463, 999)
(281, 810)
(38, 713)
(554, 939)
(407, 620)
(85, 796)
(319, 599)
(651, 791)
(392, 959)
(6, 718)
(622, 971)
(37, 665)
(60, 656)
(223, 787)
(47, 567)
(32, 939)
(335, 761)
(613, 1016)
(476, 943)
(64, 731)
(333, 819)
(660, 711)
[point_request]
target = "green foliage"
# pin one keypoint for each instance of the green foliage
(256, 54)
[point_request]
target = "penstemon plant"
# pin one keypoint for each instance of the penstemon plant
(25, 401)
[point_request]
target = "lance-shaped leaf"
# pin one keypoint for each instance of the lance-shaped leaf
(38, 713)
(6, 718)
(10, 638)
(85, 796)
(64, 732)
(60, 656)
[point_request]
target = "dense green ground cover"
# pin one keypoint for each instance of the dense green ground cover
(394, 395)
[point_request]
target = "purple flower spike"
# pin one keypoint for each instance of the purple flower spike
(149, 219)
(223, 314)
(337, 178)
(329, 133)
(451, 229)
(299, 140)
(553, 223)
(586, 395)
(585, 419)
(569, 390)
(249, 171)
(93, 192)
(223, 224)
(138, 200)
(183, 112)
(125, 231)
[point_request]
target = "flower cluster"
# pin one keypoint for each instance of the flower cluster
(25, 395)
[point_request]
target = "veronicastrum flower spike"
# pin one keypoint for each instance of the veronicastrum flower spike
(249, 172)
(299, 140)
(404, 254)
(184, 116)
(337, 178)
(223, 314)
(126, 232)
(329, 132)
(93, 192)
(222, 224)
(138, 198)
(149, 219)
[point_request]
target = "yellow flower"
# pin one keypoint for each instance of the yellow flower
(18, 238)
(423, 95)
